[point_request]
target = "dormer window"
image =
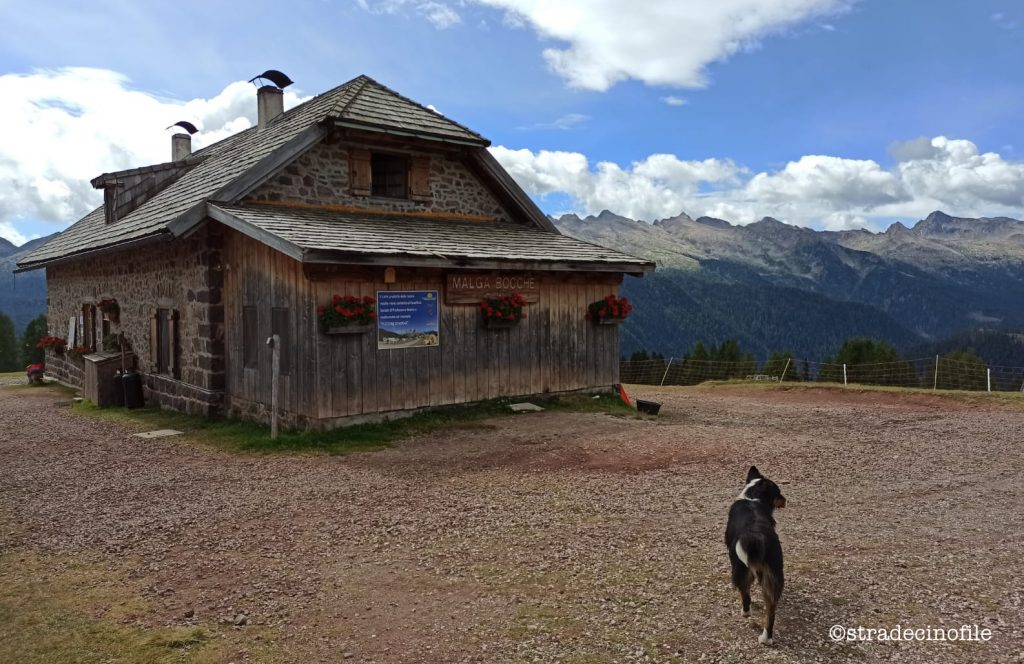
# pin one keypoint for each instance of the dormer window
(389, 175)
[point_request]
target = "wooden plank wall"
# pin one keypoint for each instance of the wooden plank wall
(555, 349)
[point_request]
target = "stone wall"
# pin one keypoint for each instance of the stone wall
(179, 274)
(321, 177)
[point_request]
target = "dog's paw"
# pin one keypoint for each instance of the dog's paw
(764, 638)
(745, 614)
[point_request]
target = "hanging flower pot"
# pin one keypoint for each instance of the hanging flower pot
(347, 314)
(111, 310)
(503, 312)
(609, 311)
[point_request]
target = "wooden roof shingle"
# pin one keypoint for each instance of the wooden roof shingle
(222, 165)
(320, 235)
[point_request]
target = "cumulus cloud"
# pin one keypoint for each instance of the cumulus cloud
(673, 100)
(659, 42)
(659, 186)
(73, 124)
(815, 190)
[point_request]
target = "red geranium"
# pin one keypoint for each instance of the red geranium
(347, 310)
(610, 307)
(505, 307)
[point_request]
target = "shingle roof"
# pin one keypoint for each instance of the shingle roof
(362, 101)
(311, 230)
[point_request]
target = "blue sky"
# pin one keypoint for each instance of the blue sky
(803, 111)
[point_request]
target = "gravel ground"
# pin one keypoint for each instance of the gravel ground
(553, 536)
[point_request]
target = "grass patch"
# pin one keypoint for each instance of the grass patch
(243, 436)
(55, 610)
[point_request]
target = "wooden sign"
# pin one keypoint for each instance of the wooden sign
(471, 287)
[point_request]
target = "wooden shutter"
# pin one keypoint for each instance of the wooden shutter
(250, 338)
(173, 365)
(154, 341)
(419, 179)
(359, 172)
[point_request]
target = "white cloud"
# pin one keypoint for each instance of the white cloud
(659, 186)
(567, 121)
(814, 190)
(659, 42)
(673, 100)
(67, 126)
(440, 15)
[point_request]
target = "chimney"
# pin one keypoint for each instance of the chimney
(269, 104)
(181, 146)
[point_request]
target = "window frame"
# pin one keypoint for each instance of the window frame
(400, 167)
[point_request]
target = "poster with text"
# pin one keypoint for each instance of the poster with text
(407, 319)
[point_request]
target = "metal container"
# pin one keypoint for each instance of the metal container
(648, 407)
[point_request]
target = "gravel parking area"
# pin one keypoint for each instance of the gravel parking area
(546, 537)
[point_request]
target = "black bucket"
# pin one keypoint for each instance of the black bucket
(648, 407)
(119, 388)
(132, 382)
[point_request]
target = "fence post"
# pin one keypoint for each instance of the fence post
(785, 369)
(988, 377)
(274, 341)
(844, 374)
(667, 367)
(935, 381)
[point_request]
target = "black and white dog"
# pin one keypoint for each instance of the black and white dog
(754, 548)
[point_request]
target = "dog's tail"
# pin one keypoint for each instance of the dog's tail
(752, 549)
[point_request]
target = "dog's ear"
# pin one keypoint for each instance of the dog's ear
(753, 474)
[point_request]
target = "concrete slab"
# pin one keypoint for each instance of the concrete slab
(159, 433)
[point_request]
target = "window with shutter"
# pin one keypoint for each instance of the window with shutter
(389, 175)
(250, 338)
(164, 349)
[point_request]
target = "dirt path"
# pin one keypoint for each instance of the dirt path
(547, 537)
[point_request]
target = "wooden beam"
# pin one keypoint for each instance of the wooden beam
(258, 234)
(399, 260)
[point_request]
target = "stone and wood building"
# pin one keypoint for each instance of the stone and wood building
(356, 192)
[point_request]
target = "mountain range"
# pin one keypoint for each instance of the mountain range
(777, 287)
(22, 296)
(774, 286)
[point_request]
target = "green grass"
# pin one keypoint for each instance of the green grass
(55, 610)
(242, 436)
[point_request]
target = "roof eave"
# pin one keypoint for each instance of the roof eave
(160, 235)
(351, 124)
(324, 257)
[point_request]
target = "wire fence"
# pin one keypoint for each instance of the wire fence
(932, 373)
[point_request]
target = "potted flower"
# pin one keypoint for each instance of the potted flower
(78, 352)
(347, 314)
(110, 309)
(609, 311)
(503, 311)
(35, 373)
(56, 344)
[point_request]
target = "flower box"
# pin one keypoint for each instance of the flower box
(352, 328)
(499, 323)
(347, 315)
(504, 311)
(609, 311)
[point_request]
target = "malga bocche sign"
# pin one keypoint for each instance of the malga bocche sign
(472, 287)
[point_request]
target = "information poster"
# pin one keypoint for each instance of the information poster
(407, 319)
